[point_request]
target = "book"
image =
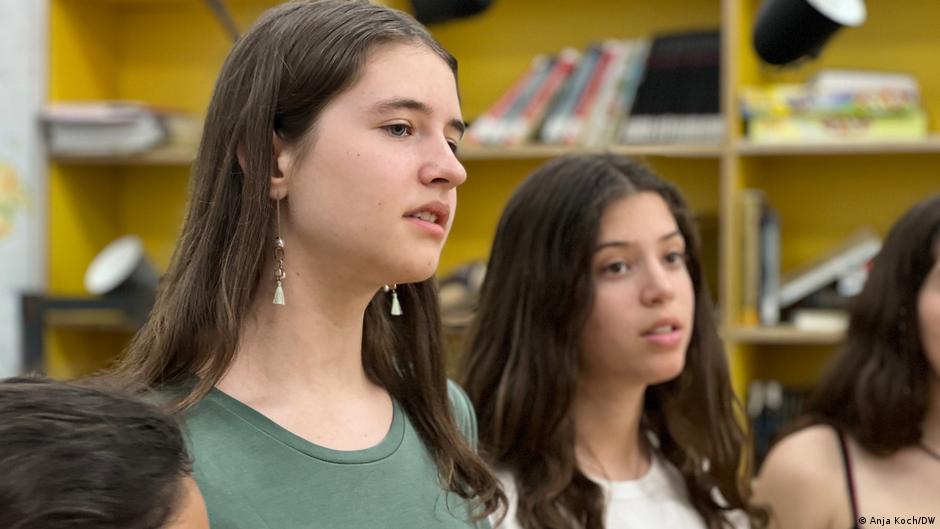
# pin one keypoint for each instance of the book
(678, 98)
(492, 126)
(839, 80)
(750, 204)
(908, 126)
(820, 320)
(562, 108)
(523, 125)
(571, 133)
(483, 127)
(102, 128)
(626, 93)
(768, 303)
(785, 100)
(855, 251)
(601, 114)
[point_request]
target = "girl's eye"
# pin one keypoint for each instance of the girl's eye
(675, 258)
(619, 267)
(398, 130)
(453, 146)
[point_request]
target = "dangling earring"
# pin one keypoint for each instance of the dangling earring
(396, 307)
(279, 274)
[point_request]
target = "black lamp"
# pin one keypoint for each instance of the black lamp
(431, 11)
(788, 30)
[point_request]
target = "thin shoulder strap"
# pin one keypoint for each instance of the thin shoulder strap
(849, 478)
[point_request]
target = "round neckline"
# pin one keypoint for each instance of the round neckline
(385, 448)
(653, 479)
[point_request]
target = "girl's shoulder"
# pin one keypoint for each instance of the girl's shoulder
(803, 479)
(463, 412)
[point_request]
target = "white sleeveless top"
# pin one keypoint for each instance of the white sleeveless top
(656, 500)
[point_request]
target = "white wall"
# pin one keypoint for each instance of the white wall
(23, 26)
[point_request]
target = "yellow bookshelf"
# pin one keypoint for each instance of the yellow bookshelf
(162, 52)
(167, 52)
(823, 191)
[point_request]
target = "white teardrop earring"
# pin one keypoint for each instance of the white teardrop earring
(279, 274)
(396, 306)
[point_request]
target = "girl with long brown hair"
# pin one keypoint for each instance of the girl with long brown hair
(867, 450)
(297, 327)
(600, 382)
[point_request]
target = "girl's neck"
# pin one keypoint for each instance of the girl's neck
(609, 443)
(310, 345)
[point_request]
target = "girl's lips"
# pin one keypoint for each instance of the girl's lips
(430, 228)
(667, 339)
(439, 210)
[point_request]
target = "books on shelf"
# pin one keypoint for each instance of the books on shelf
(836, 105)
(769, 129)
(678, 99)
(812, 297)
(113, 128)
(760, 243)
(617, 91)
(844, 260)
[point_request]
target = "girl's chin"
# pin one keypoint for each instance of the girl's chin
(416, 272)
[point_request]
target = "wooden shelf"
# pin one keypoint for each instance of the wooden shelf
(692, 150)
(783, 335)
(930, 144)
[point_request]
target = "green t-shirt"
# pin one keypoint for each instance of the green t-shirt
(256, 475)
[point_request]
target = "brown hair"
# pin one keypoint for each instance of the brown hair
(277, 79)
(876, 388)
(86, 456)
(521, 366)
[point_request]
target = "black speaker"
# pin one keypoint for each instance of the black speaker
(788, 30)
(431, 11)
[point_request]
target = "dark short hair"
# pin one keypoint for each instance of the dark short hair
(76, 456)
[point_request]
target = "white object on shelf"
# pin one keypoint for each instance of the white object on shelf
(122, 261)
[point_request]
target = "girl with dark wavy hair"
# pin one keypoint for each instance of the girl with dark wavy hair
(868, 447)
(297, 326)
(599, 379)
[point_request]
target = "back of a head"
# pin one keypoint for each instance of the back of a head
(78, 457)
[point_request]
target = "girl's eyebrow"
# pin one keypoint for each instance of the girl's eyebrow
(388, 105)
(627, 244)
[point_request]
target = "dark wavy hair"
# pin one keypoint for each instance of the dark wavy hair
(520, 368)
(281, 74)
(876, 388)
(86, 458)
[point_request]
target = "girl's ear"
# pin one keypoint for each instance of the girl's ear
(284, 158)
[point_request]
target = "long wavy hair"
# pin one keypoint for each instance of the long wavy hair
(876, 388)
(521, 365)
(277, 79)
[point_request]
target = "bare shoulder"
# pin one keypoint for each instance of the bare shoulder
(810, 453)
(802, 481)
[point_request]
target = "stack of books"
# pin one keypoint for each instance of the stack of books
(617, 91)
(113, 128)
(836, 105)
